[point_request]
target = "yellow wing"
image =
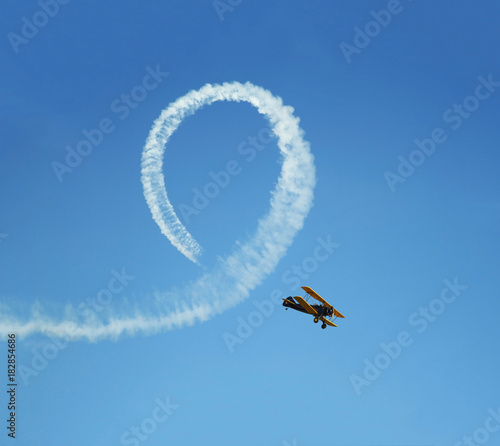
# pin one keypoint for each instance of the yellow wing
(306, 306)
(313, 293)
(337, 313)
(326, 321)
(316, 296)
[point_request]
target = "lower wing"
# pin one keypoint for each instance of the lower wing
(327, 322)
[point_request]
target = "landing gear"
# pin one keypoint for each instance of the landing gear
(323, 326)
(315, 320)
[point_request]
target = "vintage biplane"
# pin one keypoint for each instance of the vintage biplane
(323, 312)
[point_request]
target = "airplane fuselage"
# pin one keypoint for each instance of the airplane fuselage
(289, 302)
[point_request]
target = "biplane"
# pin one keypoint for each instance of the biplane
(323, 312)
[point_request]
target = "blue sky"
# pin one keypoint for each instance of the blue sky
(410, 364)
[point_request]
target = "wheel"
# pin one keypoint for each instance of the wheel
(315, 320)
(323, 326)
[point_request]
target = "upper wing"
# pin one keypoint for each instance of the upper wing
(306, 306)
(313, 293)
(337, 313)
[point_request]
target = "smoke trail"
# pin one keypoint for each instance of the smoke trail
(232, 277)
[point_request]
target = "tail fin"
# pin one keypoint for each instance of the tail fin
(289, 299)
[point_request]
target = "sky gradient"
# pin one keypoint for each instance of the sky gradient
(398, 102)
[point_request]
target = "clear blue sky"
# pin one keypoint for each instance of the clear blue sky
(432, 69)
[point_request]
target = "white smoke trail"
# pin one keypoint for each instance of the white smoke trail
(233, 277)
